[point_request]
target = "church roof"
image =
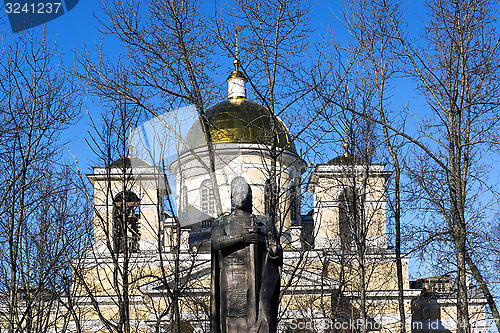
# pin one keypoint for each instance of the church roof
(129, 161)
(347, 160)
(238, 120)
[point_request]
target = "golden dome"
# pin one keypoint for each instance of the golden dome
(238, 120)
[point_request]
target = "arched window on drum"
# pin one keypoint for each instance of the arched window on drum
(207, 198)
(267, 198)
(126, 215)
(184, 206)
(350, 217)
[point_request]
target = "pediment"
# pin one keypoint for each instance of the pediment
(293, 279)
(304, 280)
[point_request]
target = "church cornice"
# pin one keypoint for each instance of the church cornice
(337, 172)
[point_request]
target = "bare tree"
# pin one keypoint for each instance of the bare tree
(170, 70)
(170, 52)
(165, 51)
(272, 40)
(459, 83)
(38, 202)
(455, 67)
(372, 31)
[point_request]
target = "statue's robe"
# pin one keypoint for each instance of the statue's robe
(245, 280)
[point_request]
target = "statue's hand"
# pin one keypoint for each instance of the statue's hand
(250, 237)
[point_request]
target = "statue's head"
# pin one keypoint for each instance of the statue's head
(241, 195)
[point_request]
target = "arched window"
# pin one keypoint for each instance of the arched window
(294, 203)
(207, 198)
(126, 215)
(349, 218)
(267, 198)
(184, 205)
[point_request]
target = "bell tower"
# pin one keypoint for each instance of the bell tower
(128, 206)
(349, 204)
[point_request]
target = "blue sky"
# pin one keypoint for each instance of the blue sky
(79, 27)
(71, 32)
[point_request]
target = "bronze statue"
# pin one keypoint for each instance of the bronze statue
(246, 266)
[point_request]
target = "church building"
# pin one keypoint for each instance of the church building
(152, 270)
